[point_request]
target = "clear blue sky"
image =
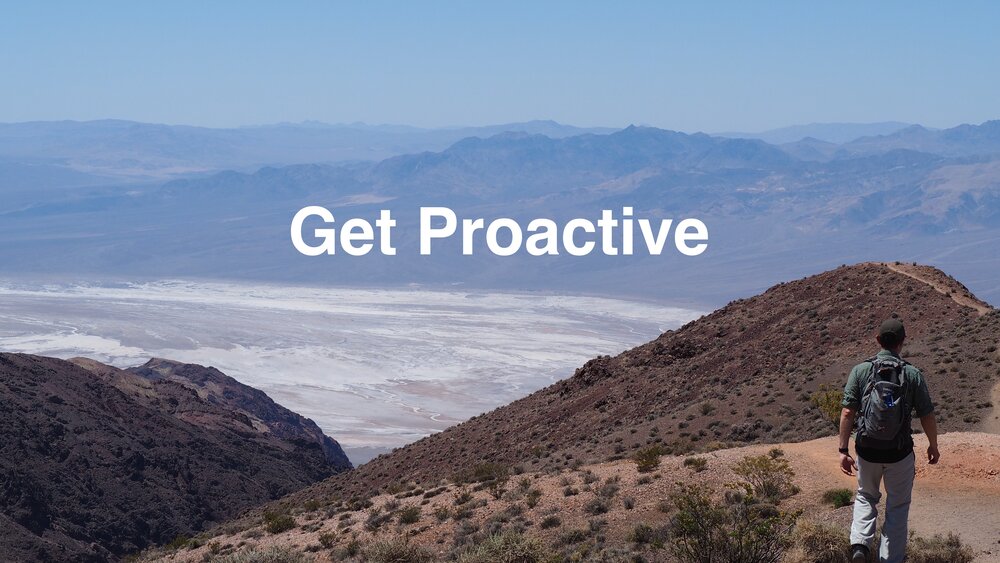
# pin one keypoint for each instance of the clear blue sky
(709, 66)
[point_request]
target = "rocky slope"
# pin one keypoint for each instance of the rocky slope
(745, 373)
(722, 388)
(218, 388)
(97, 462)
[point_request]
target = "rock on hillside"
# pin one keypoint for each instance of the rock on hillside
(99, 462)
(742, 374)
(219, 389)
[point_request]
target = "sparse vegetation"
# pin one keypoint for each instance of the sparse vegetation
(828, 400)
(939, 549)
(509, 547)
(275, 522)
(769, 477)
(532, 497)
(648, 459)
(742, 530)
(273, 554)
(409, 515)
(817, 542)
(838, 497)
(697, 464)
(395, 550)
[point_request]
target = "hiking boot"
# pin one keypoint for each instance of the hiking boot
(859, 553)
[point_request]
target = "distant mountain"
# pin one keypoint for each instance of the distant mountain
(97, 462)
(133, 151)
(772, 212)
(961, 141)
(837, 133)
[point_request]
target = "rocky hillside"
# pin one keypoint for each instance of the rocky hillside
(576, 471)
(746, 373)
(97, 462)
(218, 388)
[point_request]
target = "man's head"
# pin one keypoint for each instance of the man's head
(891, 334)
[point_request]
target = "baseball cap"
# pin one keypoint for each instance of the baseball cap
(891, 330)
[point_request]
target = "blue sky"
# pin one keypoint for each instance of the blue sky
(710, 66)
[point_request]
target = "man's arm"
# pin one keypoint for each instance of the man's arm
(847, 463)
(929, 424)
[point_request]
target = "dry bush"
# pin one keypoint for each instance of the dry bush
(770, 477)
(939, 549)
(816, 542)
(739, 531)
(395, 550)
(828, 400)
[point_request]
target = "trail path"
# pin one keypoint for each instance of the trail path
(957, 293)
(960, 494)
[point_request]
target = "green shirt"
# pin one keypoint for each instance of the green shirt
(917, 396)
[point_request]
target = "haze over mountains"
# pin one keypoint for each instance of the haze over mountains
(773, 211)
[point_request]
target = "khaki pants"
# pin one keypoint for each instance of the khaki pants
(898, 479)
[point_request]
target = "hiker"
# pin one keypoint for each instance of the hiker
(880, 395)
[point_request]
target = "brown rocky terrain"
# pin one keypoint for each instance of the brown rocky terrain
(97, 462)
(746, 373)
(218, 388)
(721, 388)
(611, 500)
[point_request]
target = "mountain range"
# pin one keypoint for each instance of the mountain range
(773, 212)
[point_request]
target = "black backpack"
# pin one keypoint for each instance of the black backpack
(884, 419)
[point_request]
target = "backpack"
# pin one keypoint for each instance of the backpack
(884, 419)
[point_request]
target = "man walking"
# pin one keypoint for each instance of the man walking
(879, 398)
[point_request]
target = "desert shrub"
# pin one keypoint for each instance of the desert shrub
(644, 534)
(551, 521)
(395, 550)
(696, 463)
(462, 496)
(178, 542)
(409, 515)
(939, 549)
(607, 490)
(442, 513)
(277, 522)
(352, 549)
(376, 518)
(770, 478)
(838, 497)
(532, 497)
(596, 506)
(817, 542)
(482, 473)
(828, 400)
(648, 459)
(506, 547)
(743, 531)
(273, 554)
(628, 503)
(328, 539)
(570, 537)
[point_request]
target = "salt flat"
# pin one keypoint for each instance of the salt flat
(373, 367)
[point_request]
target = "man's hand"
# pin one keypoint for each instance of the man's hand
(933, 455)
(847, 464)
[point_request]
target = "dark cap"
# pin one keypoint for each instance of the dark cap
(891, 330)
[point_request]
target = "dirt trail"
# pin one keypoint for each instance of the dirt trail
(960, 494)
(957, 293)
